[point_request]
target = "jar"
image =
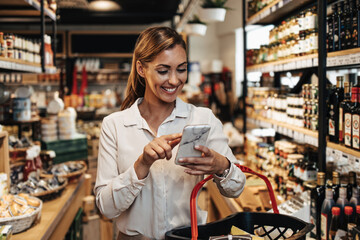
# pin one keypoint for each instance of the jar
(302, 43)
(313, 41)
(314, 107)
(314, 123)
(301, 21)
(314, 91)
(307, 43)
(9, 41)
(293, 161)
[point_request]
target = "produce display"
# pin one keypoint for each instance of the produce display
(40, 187)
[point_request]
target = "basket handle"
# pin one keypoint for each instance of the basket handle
(194, 227)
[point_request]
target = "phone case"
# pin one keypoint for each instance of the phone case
(192, 136)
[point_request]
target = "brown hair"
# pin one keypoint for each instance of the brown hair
(150, 43)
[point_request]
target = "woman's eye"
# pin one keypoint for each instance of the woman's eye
(163, 72)
(182, 70)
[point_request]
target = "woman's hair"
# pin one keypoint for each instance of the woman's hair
(149, 44)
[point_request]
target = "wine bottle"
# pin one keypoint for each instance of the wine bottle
(351, 184)
(335, 185)
(326, 213)
(336, 97)
(335, 222)
(345, 104)
(317, 196)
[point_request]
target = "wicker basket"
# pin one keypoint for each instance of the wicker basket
(51, 194)
(69, 175)
(23, 222)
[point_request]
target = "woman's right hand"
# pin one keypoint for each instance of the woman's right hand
(158, 148)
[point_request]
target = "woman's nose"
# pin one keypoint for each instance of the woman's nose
(173, 79)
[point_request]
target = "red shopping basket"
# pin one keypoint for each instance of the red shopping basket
(268, 225)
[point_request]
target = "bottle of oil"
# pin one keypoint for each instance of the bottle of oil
(317, 197)
(326, 213)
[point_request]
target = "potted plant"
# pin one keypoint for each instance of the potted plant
(213, 10)
(195, 27)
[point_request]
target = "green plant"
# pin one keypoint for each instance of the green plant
(214, 4)
(196, 19)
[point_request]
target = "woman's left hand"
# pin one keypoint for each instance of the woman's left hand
(210, 162)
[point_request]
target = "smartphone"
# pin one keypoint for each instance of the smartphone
(193, 135)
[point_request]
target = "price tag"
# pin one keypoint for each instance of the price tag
(344, 158)
(357, 163)
(303, 63)
(337, 155)
(309, 63)
(315, 62)
(290, 133)
(328, 152)
(352, 161)
(347, 60)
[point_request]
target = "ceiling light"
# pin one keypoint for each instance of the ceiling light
(104, 5)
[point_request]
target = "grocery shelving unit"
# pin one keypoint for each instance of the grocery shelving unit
(28, 10)
(322, 61)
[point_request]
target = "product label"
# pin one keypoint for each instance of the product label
(341, 137)
(313, 42)
(313, 215)
(355, 131)
(347, 129)
(331, 127)
(323, 226)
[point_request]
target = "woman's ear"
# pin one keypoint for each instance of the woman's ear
(140, 69)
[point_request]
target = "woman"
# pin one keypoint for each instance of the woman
(138, 182)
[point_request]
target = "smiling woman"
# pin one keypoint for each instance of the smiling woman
(137, 175)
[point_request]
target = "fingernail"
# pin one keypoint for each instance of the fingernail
(181, 159)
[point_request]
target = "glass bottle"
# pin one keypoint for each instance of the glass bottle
(336, 26)
(354, 201)
(348, 24)
(342, 16)
(341, 202)
(317, 197)
(345, 104)
(326, 213)
(348, 221)
(335, 222)
(335, 99)
(348, 117)
(351, 184)
(354, 24)
(335, 185)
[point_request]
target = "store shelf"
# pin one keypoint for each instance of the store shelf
(24, 8)
(276, 11)
(301, 62)
(343, 149)
(343, 58)
(19, 65)
(297, 133)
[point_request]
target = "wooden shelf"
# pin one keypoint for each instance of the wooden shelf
(276, 11)
(297, 133)
(19, 8)
(344, 149)
(301, 62)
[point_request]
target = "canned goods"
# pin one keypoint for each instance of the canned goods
(22, 114)
(21, 103)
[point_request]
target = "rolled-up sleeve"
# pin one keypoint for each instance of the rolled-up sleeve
(115, 192)
(234, 183)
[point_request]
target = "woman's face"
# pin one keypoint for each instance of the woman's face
(165, 76)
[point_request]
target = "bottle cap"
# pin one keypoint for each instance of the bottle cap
(348, 210)
(358, 209)
(335, 211)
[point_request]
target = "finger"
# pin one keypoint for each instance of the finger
(175, 142)
(172, 137)
(204, 150)
(158, 149)
(194, 172)
(167, 149)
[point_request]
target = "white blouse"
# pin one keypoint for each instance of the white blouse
(160, 202)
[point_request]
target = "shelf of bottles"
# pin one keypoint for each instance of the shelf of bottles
(266, 12)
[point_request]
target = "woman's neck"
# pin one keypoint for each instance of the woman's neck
(155, 112)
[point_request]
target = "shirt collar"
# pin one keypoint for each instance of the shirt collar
(134, 117)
